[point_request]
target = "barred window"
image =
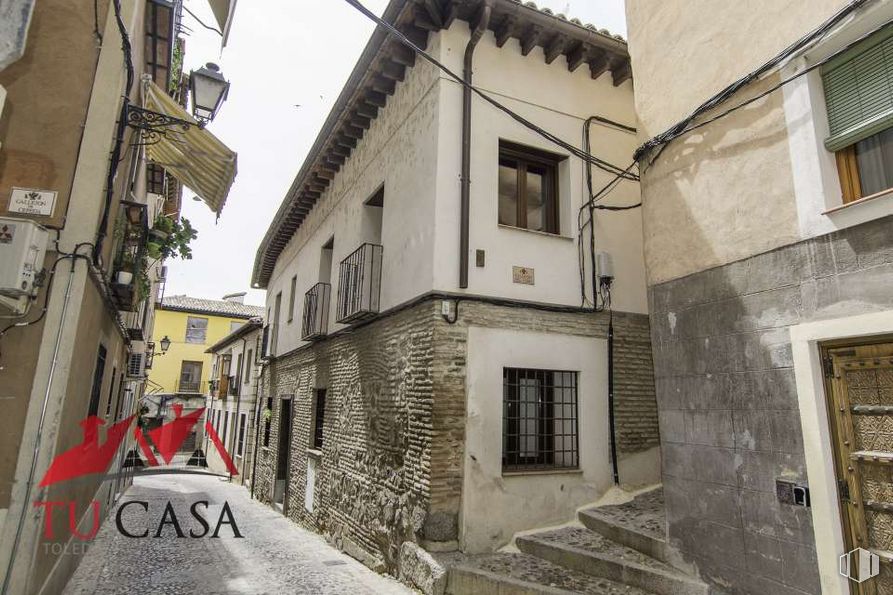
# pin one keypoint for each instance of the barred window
(539, 419)
(319, 413)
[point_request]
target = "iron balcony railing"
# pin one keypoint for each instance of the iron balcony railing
(233, 383)
(315, 319)
(190, 386)
(359, 284)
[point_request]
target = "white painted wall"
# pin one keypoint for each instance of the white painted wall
(559, 101)
(813, 167)
(400, 151)
(496, 506)
(413, 148)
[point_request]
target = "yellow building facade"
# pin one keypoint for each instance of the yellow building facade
(192, 325)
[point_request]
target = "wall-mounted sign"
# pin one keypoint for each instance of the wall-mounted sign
(32, 202)
(522, 275)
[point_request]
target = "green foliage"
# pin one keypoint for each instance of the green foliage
(180, 234)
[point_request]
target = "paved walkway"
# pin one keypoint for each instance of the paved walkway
(275, 556)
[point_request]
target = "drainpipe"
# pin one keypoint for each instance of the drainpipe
(235, 439)
(611, 423)
(476, 35)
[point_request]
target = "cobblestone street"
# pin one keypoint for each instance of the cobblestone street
(275, 555)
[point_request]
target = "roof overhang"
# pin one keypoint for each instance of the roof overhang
(194, 156)
(383, 63)
(223, 13)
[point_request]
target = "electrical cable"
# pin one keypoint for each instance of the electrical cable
(200, 22)
(96, 21)
(600, 163)
(115, 156)
(684, 125)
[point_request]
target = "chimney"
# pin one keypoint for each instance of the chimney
(236, 298)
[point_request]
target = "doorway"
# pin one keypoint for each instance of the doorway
(283, 452)
(860, 399)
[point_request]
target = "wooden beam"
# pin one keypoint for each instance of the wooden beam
(393, 71)
(504, 31)
(621, 72)
(376, 98)
(352, 132)
(334, 160)
(416, 35)
(451, 14)
(337, 149)
(345, 141)
(576, 57)
(326, 170)
(366, 110)
(423, 21)
(529, 39)
(382, 85)
(554, 48)
(435, 12)
(360, 122)
(316, 187)
(401, 54)
(598, 64)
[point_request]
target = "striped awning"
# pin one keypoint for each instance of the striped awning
(195, 157)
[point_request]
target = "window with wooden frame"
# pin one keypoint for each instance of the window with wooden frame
(858, 87)
(528, 188)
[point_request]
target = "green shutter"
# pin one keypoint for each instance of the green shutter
(859, 91)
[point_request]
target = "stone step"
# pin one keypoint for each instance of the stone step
(639, 524)
(582, 550)
(522, 574)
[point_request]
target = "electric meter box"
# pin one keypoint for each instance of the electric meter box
(23, 245)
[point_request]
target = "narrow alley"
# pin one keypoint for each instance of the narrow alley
(274, 556)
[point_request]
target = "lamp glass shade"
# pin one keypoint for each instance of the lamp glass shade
(208, 89)
(165, 344)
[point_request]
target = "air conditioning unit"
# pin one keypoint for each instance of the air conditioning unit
(22, 247)
(136, 366)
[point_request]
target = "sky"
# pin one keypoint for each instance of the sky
(287, 61)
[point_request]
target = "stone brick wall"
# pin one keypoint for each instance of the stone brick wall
(394, 429)
(729, 420)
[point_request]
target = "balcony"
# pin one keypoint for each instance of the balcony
(359, 284)
(315, 323)
(190, 386)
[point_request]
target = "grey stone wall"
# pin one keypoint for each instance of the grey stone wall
(729, 420)
(394, 430)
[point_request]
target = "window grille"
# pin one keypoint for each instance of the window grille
(539, 419)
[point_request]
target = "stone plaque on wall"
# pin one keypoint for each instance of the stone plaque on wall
(32, 202)
(522, 275)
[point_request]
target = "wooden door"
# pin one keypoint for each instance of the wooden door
(861, 410)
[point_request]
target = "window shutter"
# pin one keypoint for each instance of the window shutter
(859, 91)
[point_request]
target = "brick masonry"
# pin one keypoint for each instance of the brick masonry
(394, 429)
(729, 420)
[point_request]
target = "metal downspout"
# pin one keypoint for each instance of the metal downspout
(476, 35)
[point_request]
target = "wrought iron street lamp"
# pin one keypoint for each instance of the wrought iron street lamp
(165, 344)
(208, 90)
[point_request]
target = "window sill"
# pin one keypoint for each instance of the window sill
(316, 454)
(521, 473)
(546, 234)
(861, 201)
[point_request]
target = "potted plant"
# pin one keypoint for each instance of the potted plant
(161, 229)
(153, 249)
(125, 272)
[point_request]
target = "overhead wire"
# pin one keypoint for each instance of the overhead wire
(685, 126)
(576, 152)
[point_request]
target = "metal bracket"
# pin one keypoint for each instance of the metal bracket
(151, 126)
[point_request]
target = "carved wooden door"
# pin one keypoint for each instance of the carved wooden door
(861, 383)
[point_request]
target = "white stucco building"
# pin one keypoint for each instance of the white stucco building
(443, 369)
